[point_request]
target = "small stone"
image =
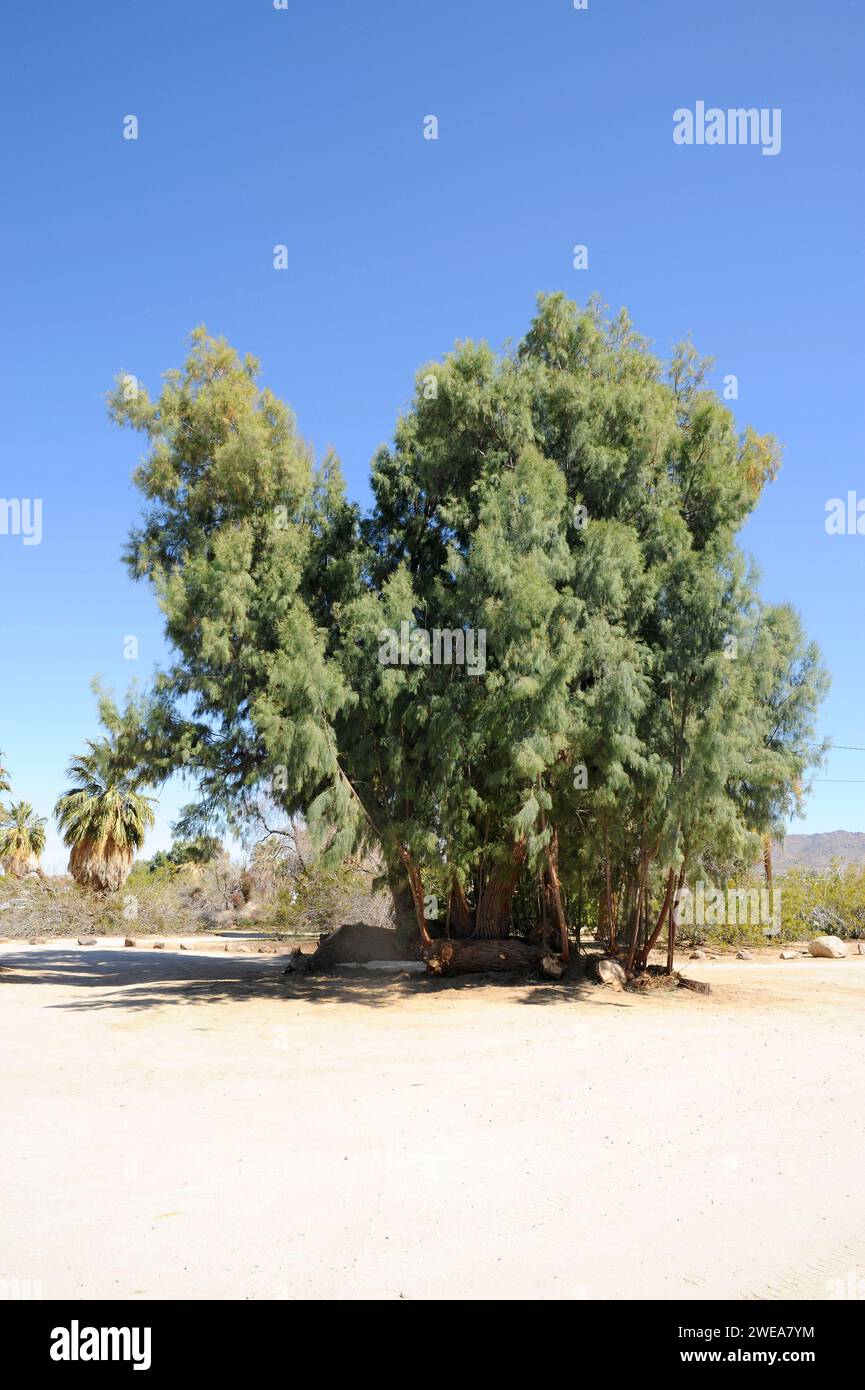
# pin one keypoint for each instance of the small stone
(828, 947)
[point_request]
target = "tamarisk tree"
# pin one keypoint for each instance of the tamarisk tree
(539, 660)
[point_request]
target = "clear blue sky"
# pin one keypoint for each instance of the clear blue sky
(304, 126)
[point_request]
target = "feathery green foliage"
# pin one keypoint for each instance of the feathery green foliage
(640, 710)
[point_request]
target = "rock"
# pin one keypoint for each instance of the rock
(699, 955)
(553, 967)
(183, 946)
(87, 941)
(744, 955)
(829, 947)
(238, 948)
(159, 945)
(130, 942)
(789, 955)
(355, 943)
(37, 941)
(860, 946)
(611, 973)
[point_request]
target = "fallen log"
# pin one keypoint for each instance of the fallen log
(470, 957)
(355, 944)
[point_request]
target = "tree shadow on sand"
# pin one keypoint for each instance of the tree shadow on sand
(137, 980)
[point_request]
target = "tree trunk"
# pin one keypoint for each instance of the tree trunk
(460, 916)
(671, 929)
(611, 916)
(662, 917)
(406, 888)
(403, 904)
(552, 854)
(468, 957)
(493, 916)
(638, 910)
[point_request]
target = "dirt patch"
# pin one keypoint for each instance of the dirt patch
(164, 1109)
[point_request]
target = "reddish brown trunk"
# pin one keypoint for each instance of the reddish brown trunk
(493, 916)
(638, 912)
(407, 886)
(552, 855)
(671, 929)
(460, 917)
(662, 917)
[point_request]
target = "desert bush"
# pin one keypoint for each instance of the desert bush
(829, 902)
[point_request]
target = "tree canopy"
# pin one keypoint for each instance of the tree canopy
(539, 669)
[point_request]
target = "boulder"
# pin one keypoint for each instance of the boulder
(698, 955)
(611, 973)
(789, 955)
(159, 945)
(130, 941)
(356, 943)
(744, 955)
(87, 941)
(552, 966)
(829, 947)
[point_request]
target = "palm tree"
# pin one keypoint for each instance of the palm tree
(22, 838)
(103, 818)
(5, 784)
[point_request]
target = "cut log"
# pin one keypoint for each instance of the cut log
(698, 986)
(470, 957)
(355, 944)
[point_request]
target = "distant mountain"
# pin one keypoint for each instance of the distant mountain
(818, 851)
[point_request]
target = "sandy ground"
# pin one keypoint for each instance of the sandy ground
(184, 1125)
